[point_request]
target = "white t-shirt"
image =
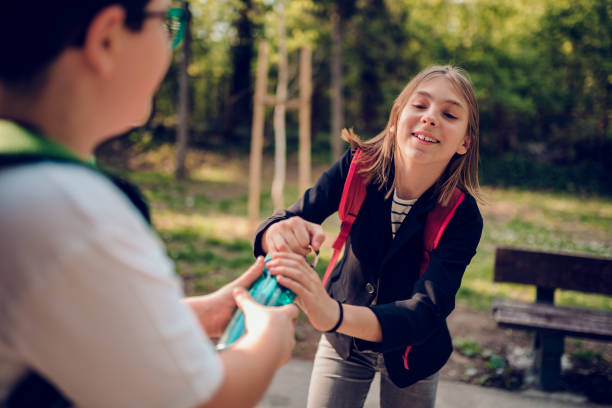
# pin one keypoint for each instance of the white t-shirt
(89, 299)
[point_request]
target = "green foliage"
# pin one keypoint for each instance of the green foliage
(486, 368)
(204, 262)
(541, 70)
(496, 363)
(578, 39)
(587, 357)
(468, 348)
(513, 170)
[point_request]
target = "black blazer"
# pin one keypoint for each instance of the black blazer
(411, 311)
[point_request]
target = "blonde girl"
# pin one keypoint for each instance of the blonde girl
(375, 306)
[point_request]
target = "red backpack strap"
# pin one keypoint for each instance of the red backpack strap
(353, 194)
(437, 221)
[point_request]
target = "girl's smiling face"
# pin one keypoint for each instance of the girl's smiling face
(432, 126)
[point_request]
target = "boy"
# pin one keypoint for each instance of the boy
(90, 309)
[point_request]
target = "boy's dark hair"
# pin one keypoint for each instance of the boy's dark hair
(34, 32)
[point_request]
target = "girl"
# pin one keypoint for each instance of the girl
(374, 306)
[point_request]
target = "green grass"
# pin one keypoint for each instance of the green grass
(203, 222)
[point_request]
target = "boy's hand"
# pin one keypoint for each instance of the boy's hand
(215, 310)
(269, 326)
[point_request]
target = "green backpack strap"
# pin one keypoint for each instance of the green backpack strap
(21, 146)
(17, 142)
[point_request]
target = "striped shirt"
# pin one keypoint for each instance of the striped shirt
(399, 209)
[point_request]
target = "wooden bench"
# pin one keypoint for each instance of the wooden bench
(551, 323)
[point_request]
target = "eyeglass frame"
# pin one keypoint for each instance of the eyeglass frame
(171, 15)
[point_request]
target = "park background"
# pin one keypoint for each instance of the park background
(542, 71)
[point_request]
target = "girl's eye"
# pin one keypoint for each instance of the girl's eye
(419, 106)
(450, 115)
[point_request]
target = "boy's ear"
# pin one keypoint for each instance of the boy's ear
(103, 38)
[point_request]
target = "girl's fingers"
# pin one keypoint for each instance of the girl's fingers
(318, 236)
(295, 270)
(293, 286)
(298, 227)
(292, 274)
(288, 255)
(300, 242)
(292, 269)
(286, 230)
(302, 237)
(280, 244)
(294, 234)
(290, 262)
(291, 242)
(287, 243)
(273, 243)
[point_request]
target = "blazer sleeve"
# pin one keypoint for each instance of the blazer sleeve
(413, 320)
(317, 203)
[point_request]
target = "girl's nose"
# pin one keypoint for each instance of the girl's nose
(429, 121)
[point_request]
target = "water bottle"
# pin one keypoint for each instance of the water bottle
(266, 291)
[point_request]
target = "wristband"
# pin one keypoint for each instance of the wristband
(340, 318)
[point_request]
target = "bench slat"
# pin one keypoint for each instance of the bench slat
(553, 270)
(576, 322)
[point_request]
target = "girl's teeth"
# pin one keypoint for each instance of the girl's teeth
(426, 139)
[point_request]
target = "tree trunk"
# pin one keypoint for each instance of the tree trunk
(604, 121)
(257, 136)
(238, 108)
(336, 78)
(305, 117)
(182, 137)
(280, 149)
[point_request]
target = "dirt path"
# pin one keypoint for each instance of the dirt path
(479, 329)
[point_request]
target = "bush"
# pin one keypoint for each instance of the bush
(524, 172)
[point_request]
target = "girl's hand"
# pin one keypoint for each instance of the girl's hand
(293, 235)
(294, 273)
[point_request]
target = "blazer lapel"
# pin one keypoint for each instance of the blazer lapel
(378, 223)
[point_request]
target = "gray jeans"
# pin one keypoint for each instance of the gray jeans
(338, 383)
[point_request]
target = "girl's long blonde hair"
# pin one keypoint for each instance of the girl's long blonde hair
(461, 171)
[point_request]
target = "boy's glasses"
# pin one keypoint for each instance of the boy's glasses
(175, 23)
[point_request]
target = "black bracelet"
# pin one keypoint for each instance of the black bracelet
(333, 329)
